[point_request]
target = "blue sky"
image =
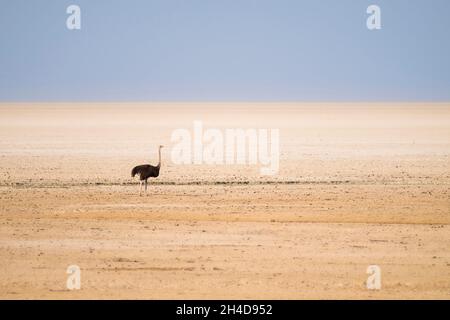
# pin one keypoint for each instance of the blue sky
(224, 50)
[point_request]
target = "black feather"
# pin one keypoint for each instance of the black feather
(145, 171)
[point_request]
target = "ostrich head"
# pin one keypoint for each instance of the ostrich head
(161, 146)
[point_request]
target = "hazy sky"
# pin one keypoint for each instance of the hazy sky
(233, 50)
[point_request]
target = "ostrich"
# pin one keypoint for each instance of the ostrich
(146, 171)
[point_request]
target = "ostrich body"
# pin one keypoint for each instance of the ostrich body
(146, 171)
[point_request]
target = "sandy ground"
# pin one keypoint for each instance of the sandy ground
(358, 185)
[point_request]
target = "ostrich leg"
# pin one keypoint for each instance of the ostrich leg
(146, 187)
(140, 187)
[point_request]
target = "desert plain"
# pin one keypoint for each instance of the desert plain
(359, 184)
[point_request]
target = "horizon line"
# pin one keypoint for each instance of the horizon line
(228, 102)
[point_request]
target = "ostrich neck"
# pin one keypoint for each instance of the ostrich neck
(159, 158)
